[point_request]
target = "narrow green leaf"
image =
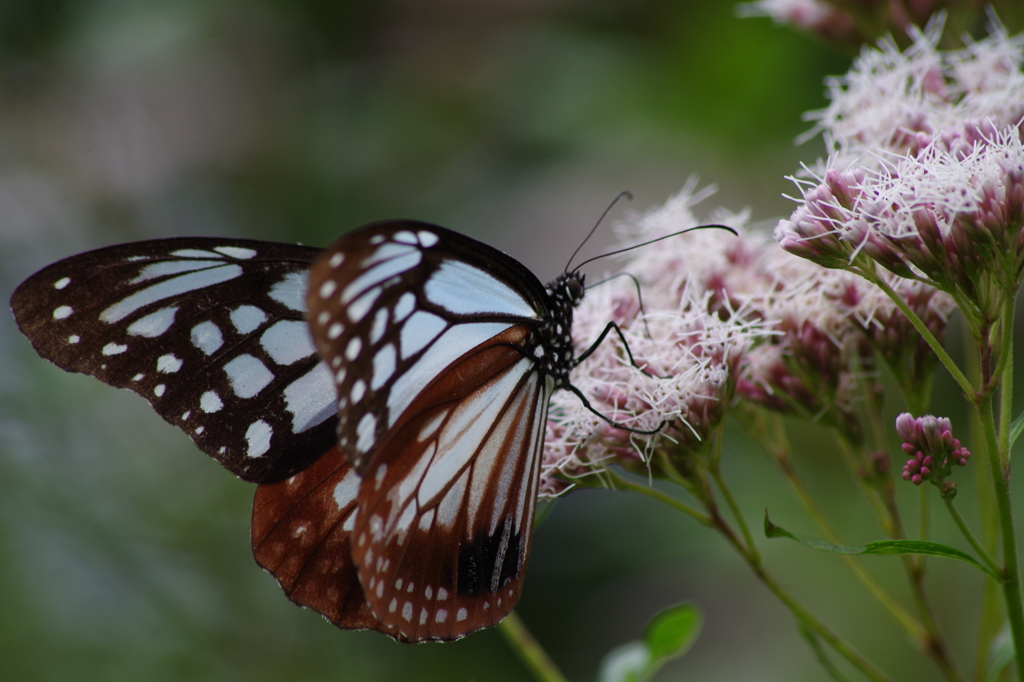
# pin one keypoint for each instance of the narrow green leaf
(1016, 428)
(773, 531)
(880, 548)
(884, 547)
(672, 632)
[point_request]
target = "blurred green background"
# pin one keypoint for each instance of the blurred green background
(124, 553)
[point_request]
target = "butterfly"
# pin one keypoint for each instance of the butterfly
(388, 395)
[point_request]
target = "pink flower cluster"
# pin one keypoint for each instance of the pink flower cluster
(927, 176)
(725, 318)
(933, 450)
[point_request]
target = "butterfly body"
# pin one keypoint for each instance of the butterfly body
(391, 403)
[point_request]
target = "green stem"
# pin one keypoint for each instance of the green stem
(1011, 570)
(773, 439)
(805, 617)
(529, 650)
(925, 333)
(968, 534)
(622, 484)
(714, 519)
(748, 537)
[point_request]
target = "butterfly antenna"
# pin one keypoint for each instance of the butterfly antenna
(667, 236)
(624, 193)
(639, 298)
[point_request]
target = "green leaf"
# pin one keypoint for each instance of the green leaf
(1016, 427)
(672, 632)
(880, 548)
(668, 635)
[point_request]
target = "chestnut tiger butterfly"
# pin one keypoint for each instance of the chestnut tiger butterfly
(388, 395)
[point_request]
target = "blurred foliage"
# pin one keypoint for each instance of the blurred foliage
(123, 552)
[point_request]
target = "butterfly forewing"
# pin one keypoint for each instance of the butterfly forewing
(393, 305)
(446, 510)
(441, 409)
(210, 331)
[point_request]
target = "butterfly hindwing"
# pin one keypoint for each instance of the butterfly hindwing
(301, 530)
(211, 332)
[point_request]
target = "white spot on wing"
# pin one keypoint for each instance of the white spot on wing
(291, 291)
(383, 366)
(353, 348)
(159, 390)
(154, 324)
(462, 614)
(287, 341)
(366, 430)
(114, 348)
(248, 375)
(428, 239)
(346, 490)
(210, 402)
(336, 259)
(168, 363)
(418, 331)
(387, 252)
(194, 253)
(247, 318)
(62, 312)
(172, 287)
(409, 259)
(327, 288)
(358, 391)
(62, 282)
(258, 437)
(206, 337)
(405, 304)
(358, 308)
(238, 252)
(74, 338)
(176, 267)
(380, 324)
(464, 289)
(310, 398)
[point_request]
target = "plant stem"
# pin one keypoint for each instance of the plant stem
(714, 520)
(997, 449)
(806, 618)
(779, 451)
(925, 333)
(1011, 571)
(624, 484)
(529, 650)
(970, 537)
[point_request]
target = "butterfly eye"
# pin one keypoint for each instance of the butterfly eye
(574, 285)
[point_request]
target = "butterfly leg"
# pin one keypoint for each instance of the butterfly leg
(593, 347)
(586, 403)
